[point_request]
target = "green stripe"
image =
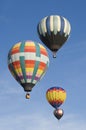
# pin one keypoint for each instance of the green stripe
(22, 46)
(37, 49)
(37, 62)
(35, 70)
(22, 62)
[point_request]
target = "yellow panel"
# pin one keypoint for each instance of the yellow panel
(29, 43)
(17, 45)
(39, 72)
(29, 70)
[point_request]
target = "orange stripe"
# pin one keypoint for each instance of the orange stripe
(43, 51)
(29, 46)
(29, 63)
(16, 64)
(15, 50)
(42, 65)
(29, 50)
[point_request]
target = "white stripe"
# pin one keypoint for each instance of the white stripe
(29, 80)
(34, 81)
(69, 29)
(43, 26)
(51, 23)
(28, 56)
(58, 24)
(66, 27)
(55, 24)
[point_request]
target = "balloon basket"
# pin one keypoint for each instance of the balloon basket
(27, 96)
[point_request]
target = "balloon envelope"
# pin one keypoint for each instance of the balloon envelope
(28, 62)
(56, 96)
(58, 113)
(54, 31)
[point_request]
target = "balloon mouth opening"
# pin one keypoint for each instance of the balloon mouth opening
(27, 87)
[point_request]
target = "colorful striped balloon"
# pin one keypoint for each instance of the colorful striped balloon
(28, 62)
(54, 31)
(56, 96)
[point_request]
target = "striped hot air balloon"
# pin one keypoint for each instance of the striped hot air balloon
(54, 31)
(56, 96)
(28, 62)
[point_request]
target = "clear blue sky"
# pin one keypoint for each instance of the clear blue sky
(18, 21)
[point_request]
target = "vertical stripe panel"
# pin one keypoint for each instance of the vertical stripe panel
(51, 23)
(39, 28)
(22, 47)
(58, 23)
(35, 70)
(69, 28)
(65, 26)
(22, 63)
(48, 25)
(44, 22)
(37, 50)
(55, 24)
(62, 25)
(43, 26)
(37, 62)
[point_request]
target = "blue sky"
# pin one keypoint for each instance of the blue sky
(18, 21)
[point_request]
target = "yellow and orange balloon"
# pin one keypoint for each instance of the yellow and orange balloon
(56, 96)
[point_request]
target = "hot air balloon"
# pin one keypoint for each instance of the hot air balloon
(28, 62)
(56, 96)
(54, 31)
(58, 113)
